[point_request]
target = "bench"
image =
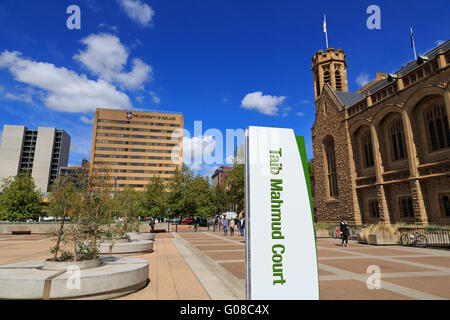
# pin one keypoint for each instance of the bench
(20, 232)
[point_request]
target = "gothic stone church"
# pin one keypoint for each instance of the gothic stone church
(382, 153)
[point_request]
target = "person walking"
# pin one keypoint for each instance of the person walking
(342, 226)
(243, 227)
(345, 232)
(152, 225)
(232, 223)
(195, 224)
(225, 225)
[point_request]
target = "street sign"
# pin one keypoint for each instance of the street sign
(281, 259)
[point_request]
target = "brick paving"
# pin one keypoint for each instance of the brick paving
(209, 265)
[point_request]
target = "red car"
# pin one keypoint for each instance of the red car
(187, 221)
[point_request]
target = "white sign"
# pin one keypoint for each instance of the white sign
(281, 259)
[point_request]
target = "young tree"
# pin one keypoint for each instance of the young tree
(127, 204)
(235, 185)
(154, 199)
(62, 204)
(220, 199)
(19, 199)
(178, 204)
(88, 203)
(198, 198)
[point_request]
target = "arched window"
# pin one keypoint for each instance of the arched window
(397, 137)
(331, 167)
(326, 74)
(317, 85)
(436, 122)
(366, 142)
(337, 76)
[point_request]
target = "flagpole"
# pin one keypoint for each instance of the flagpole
(413, 44)
(325, 29)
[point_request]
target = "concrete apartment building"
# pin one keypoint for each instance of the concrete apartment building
(134, 146)
(41, 152)
(381, 154)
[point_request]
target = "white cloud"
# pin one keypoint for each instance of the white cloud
(363, 79)
(300, 114)
(22, 97)
(87, 120)
(140, 99)
(106, 57)
(65, 89)
(196, 148)
(138, 11)
(304, 101)
(266, 104)
(286, 111)
(155, 97)
(210, 171)
(439, 42)
(108, 26)
(196, 167)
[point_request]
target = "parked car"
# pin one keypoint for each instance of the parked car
(187, 221)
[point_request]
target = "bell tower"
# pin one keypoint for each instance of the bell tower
(329, 67)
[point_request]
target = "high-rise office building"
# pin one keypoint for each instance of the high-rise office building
(134, 146)
(41, 152)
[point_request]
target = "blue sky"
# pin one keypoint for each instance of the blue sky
(229, 64)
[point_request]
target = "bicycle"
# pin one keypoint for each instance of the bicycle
(413, 239)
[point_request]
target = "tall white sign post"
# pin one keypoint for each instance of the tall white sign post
(281, 259)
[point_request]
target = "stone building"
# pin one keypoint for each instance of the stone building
(382, 153)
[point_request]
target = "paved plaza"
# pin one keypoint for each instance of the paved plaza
(208, 265)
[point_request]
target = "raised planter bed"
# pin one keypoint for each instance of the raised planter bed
(138, 246)
(116, 276)
(85, 264)
(141, 236)
(378, 240)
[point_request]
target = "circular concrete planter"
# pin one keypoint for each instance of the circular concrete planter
(86, 264)
(117, 276)
(117, 241)
(141, 236)
(138, 246)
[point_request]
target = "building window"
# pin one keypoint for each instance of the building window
(437, 125)
(373, 208)
(331, 166)
(398, 143)
(337, 76)
(406, 207)
(445, 204)
(366, 142)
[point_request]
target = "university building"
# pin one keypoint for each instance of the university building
(42, 152)
(134, 146)
(382, 153)
(219, 176)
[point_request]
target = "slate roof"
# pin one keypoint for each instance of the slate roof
(351, 98)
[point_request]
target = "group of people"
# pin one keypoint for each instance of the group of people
(229, 224)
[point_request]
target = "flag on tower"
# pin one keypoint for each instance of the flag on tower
(413, 45)
(325, 28)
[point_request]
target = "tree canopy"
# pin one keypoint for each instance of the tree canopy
(19, 199)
